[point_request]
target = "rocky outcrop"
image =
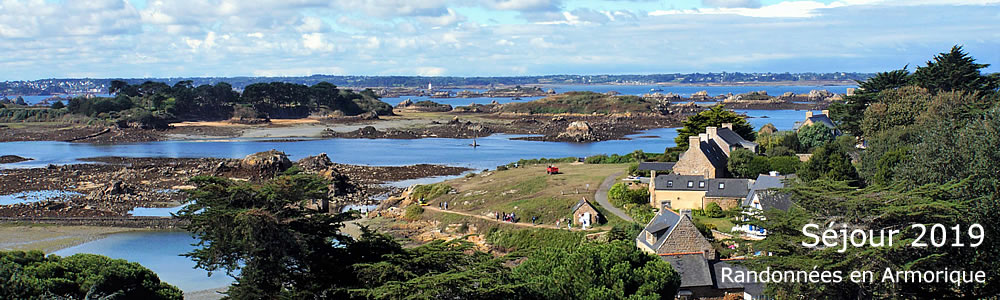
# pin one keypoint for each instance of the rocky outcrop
(265, 163)
(404, 103)
(315, 163)
(820, 95)
(9, 159)
(700, 96)
(579, 131)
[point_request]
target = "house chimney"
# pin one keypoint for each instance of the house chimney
(685, 212)
(773, 173)
(809, 114)
(727, 125)
(712, 131)
(694, 142)
(704, 137)
(826, 112)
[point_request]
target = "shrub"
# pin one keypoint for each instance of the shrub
(613, 159)
(785, 164)
(745, 164)
(529, 240)
(33, 275)
(430, 191)
(413, 212)
(779, 151)
(814, 135)
(620, 195)
(713, 210)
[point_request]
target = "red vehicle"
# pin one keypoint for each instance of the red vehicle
(552, 170)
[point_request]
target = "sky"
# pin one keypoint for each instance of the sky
(200, 38)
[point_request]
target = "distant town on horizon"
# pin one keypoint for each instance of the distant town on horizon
(99, 85)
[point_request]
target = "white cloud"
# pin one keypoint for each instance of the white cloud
(315, 42)
(313, 24)
(430, 71)
(299, 71)
(792, 9)
(42, 38)
(524, 5)
(731, 3)
(448, 19)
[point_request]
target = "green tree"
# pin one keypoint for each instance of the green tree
(954, 70)
(713, 210)
(616, 270)
(830, 162)
(265, 231)
(894, 109)
(57, 105)
(745, 164)
(785, 164)
(814, 135)
(32, 275)
(715, 116)
(848, 114)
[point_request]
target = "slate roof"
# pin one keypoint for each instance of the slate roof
(693, 268)
(661, 225)
(765, 188)
(772, 199)
(656, 166)
(755, 289)
(714, 154)
(732, 188)
(733, 138)
(817, 119)
(580, 204)
(679, 182)
(763, 182)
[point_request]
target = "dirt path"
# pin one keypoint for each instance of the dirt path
(602, 197)
(529, 225)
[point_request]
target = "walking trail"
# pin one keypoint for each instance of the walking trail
(495, 220)
(602, 197)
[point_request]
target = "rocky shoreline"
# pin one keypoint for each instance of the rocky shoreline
(113, 186)
(558, 128)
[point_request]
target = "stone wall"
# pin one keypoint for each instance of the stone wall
(724, 202)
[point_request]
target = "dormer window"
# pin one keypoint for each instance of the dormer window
(670, 183)
(722, 185)
(690, 184)
(701, 184)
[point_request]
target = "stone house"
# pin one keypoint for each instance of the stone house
(670, 232)
(728, 193)
(822, 118)
(763, 194)
(708, 152)
(674, 239)
(585, 214)
(676, 191)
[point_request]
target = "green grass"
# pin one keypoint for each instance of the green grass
(723, 224)
(527, 191)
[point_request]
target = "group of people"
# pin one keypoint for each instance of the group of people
(443, 205)
(511, 217)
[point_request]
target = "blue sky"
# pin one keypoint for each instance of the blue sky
(170, 38)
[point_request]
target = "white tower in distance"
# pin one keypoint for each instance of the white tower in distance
(430, 87)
